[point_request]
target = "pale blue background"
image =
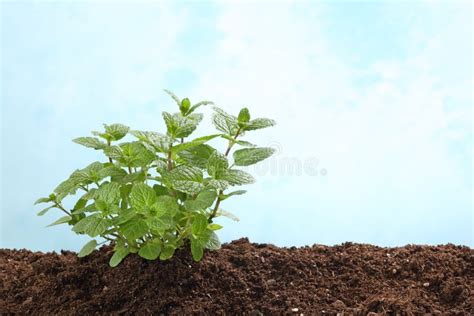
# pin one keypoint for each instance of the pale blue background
(376, 97)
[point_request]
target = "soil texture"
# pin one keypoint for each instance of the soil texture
(244, 278)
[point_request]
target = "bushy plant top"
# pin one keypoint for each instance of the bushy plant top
(159, 192)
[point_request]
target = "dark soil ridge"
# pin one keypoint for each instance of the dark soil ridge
(244, 278)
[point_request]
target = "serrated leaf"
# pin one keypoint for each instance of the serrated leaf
(259, 123)
(238, 192)
(186, 186)
(117, 131)
(90, 142)
(218, 184)
(203, 200)
(118, 256)
(93, 225)
(87, 249)
(238, 177)
(66, 187)
(134, 229)
(224, 122)
(114, 152)
(62, 220)
(109, 193)
(217, 165)
(150, 250)
(157, 141)
(197, 156)
(213, 243)
(184, 172)
(112, 171)
(250, 156)
(165, 205)
(142, 197)
(186, 179)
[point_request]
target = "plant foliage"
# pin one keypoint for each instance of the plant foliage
(158, 192)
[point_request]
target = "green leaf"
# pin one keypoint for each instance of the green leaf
(225, 122)
(142, 196)
(197, 156)
(87, 249)
(214, 226)
(250, 156)
(172, 95)
(93, 225)
(186, 179)
(218, 184)
(238, 177)
(197, 105)
(238, 192)
(66, 187)
(165, 205)
(134, 229)
(186, 186)
(151, 249)
(132, 154)
(167, 252)
(43, 200)
(184, 106)
(179, 126)
(112, 171)
(244, 116)
(91, 142)
(62, 220)
(242, 143)
(109, 193)
(118, 256)
(197, 249)
(259, 123)
(203, 200)
(117, 131)
(217, 165)
(195, 142)
(229, 215)
(213, 243)
(81, 203)
(199, 225)
(45, 210)
(87, 175)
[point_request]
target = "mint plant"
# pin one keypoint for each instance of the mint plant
(159, 192)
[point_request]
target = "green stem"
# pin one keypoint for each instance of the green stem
(218, 201)
(58, 205)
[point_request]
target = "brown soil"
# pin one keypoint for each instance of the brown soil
(244, 278)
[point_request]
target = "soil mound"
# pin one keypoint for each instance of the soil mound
(244, 278)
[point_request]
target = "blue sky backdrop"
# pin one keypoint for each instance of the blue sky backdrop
(373, 102)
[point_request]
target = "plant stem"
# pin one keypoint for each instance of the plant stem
(108, 143)
(170, 161)
(218, 201)
(58, 205)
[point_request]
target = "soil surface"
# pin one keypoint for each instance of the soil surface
(244, 278)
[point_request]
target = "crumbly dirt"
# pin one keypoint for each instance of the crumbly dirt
(244, 278)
